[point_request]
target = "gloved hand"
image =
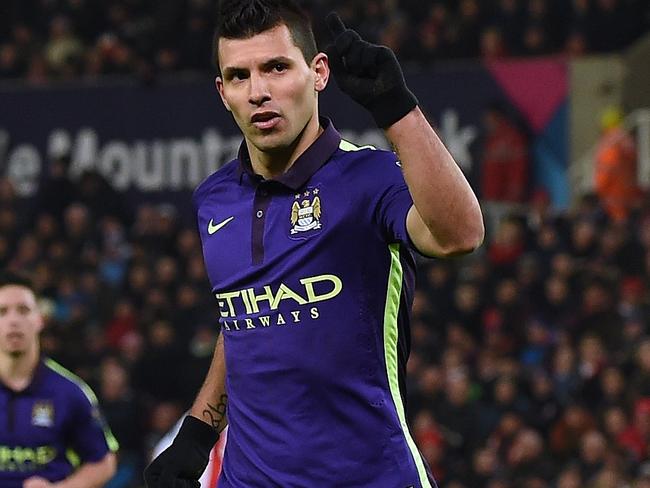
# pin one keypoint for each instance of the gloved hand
(369, 73)
(182, 464)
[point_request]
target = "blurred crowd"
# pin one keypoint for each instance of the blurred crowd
(530, 360)
(44, 40)
(530, 363)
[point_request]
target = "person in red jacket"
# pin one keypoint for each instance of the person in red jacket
(504, 166)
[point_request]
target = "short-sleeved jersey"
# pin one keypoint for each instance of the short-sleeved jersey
(50, 427)
(313, 276)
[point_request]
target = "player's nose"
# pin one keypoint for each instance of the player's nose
(258, 89)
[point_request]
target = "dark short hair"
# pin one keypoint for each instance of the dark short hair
(242, 19)
(11, 278)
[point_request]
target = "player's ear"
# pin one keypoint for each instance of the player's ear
(218, 82)
(321, 68)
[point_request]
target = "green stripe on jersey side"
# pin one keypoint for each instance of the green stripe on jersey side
(113, 445)
(348, 146)
(390, 351)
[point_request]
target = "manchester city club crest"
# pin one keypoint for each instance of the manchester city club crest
(306, 212)
(43, 414)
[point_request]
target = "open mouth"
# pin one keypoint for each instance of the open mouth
(265, 120)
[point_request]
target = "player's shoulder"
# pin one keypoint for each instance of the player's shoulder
(227, 173)
(355, 157)
(68, 384)
(367, 163)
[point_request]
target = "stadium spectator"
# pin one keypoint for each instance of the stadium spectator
(505, 165)
(63, 50)
(615, 167)
(122, 413)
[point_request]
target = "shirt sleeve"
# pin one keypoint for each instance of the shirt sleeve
(394, 198)
(90, 437)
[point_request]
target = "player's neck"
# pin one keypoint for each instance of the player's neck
(273, 164)
(16, 371)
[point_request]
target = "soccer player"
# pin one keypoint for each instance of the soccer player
(308, 242)
(51, 431)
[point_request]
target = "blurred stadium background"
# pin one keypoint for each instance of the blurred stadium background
(530, 361)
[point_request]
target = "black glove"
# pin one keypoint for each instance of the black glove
(369, 73)
(183, 463)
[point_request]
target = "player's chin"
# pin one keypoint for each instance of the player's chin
(272, 142)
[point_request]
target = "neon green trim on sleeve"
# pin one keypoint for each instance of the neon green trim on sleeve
(348, 146)
(390, 351)
(111, 441)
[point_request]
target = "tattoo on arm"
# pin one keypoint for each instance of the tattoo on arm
(215, 415)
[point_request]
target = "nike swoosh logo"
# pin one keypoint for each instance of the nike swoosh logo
(212, 227)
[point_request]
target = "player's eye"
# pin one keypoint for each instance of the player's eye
(279, 67)
(3, 311)
(23, 309)
(236, 76)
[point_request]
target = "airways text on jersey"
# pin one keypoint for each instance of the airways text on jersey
(25, 459)
(250, 308)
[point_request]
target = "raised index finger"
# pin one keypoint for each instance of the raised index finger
(334, 24)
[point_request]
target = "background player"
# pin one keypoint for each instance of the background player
(320, 403)
(52, 432)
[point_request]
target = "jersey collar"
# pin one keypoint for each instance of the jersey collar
(307, 163)
(33, 385)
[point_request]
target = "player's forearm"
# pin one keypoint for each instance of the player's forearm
(210, 403)
(440, 191)
(91, 475)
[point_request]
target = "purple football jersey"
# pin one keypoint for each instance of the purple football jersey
(313, 273)
(50, 427)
